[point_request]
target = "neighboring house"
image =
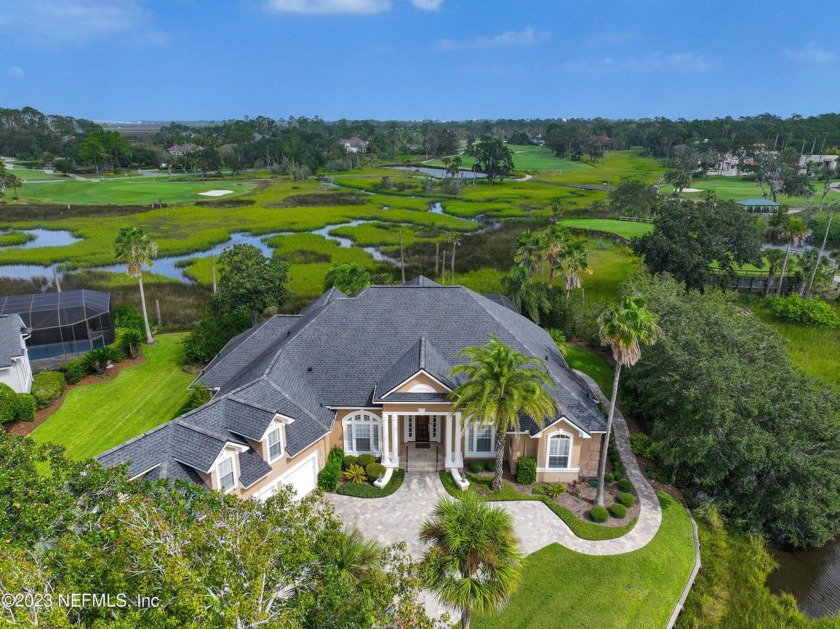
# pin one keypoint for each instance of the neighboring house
(759, 206)
(181, 149)
(15, 370)
(817, 160)
(727, 166)
(354, 145)
(369, 373)
(63, 325)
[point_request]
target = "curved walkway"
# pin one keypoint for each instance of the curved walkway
(397, 517)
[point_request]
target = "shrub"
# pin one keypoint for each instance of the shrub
(130, 341)
(490, 465)
(625, 485)
(328, 477)
(212, 333)
(617, 474)
(626, 499)
(608, 478)
(526, 470)
(813, 311)
(642, 445)
(128, 317)
(599, 514)
(199, 396)
(375, 470)
(336, 455)
(25, 407)
(539, 490)
(618, 510)
(355, 474)
(349, 460)
(75, 370)
(97, 359)
(554, 490)
(8, 404)
(47, 387)
(476, 466)
(366, 459)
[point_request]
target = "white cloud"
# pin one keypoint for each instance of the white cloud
(427, 5)
(526, 37)
(329, 7)
(15, 71)
(656, 62)
(54, 23)
(812, 53)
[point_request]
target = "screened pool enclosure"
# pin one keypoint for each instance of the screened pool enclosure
(66, 323)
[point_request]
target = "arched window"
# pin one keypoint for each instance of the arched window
(421, 388)
(559, 451)
(361, 433)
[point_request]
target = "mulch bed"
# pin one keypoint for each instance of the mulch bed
(24, 429)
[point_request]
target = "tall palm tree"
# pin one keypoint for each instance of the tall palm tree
(555, 239)
(527, 297)
(474, 559)
(774, 258)
(794, 231)
(831, 211)
(574, 260)
(135, 248)
(357, 557)
(501, 383)
(528, 251)
(625, 328)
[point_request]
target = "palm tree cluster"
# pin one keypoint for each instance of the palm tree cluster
(555, 251)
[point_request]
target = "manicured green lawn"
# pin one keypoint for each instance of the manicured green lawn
(626, 229)
(592, 364)
(526, 157)
(562, 588)
(126, 191)
(99, 416)
(735, 188)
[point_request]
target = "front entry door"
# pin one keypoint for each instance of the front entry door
(422, 428)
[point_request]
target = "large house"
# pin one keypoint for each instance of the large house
(15, 369)
(370, 373)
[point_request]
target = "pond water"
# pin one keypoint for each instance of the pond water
(440, 172)
(45, 238)
(812, 576)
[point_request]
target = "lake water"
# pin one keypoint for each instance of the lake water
(45, 238)
(812, 576)
(440, 172)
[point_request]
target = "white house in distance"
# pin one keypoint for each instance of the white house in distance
(818, 160)
(15, 369)
(354, 145)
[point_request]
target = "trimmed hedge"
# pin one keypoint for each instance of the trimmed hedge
(25, 407)
(350, 460)
(626, 499)
(367, 490)
(476, 467)
(75, 370)
(199, 396)
(599, 514)
(618, 475)
(375, 470)
(618, 510)
(608, 478)
(490, 465)
(526, 470)
(8, 404)
(365, 459)
(625, 485)
(328, 477)
(47, 387)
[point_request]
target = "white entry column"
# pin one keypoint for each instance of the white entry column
(395, 441)
(386, 444)
(458, 458)
(448, 463)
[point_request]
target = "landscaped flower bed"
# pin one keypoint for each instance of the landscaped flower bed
(369, 490)
(359, 474)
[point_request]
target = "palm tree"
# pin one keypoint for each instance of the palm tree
(794, 231)
(555, 239)
(474, 559)
(528, 252)
(135, 248)
(774, 258)
(831, 211)
(625, 328)
(501, 383)
(347, 277)
(574, 260)
(357, 557)
(527, 297)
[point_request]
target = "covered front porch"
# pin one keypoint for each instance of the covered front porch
(408, 432)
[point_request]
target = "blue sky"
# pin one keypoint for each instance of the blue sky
(413, 59)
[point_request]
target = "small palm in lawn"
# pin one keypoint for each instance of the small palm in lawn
(135, 248)
(794, 231)
(625, 328)
(474, 560)
(357, 557)
(501, 383)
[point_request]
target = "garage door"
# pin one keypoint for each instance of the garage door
(303, 476)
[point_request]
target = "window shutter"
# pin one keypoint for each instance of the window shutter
(348, 437)
(375, 430)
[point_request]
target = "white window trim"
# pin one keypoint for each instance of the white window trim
(469, 449)
(559, 433)
(376, 425)
(278, 428)
(232, 460)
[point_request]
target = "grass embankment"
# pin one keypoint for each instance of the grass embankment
(525, 157)
(126, 191)
(612, 168)
(585, 530)
(736, 189)
(625, 229)
(592, 364)
(96, 417)
(639, 589)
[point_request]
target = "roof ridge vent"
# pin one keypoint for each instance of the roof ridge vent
(422, 352)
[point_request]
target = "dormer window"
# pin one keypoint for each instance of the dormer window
(226, 476)
(275, 445)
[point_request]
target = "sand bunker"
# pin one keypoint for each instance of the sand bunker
(215, 193)
(692, 190)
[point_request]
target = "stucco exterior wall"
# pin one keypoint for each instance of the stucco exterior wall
(284, 464)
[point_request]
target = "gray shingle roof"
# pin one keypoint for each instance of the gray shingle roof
(342, 352)
(10, 332)
(252, 468)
